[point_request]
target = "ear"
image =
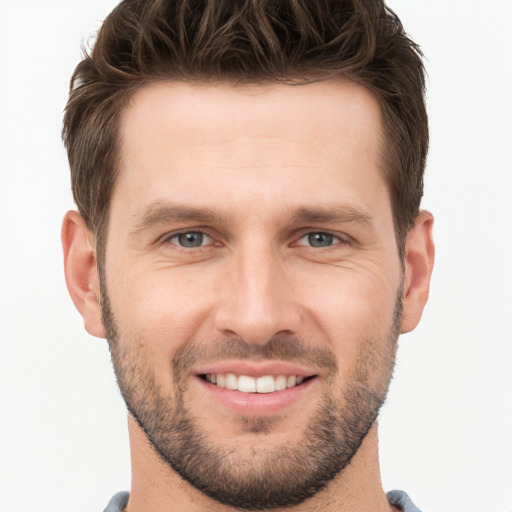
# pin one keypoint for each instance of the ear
(81, 271)
(419, 262)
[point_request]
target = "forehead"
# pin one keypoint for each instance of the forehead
(222, 112)
(252, 139)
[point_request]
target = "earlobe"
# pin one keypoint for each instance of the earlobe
(419, 262)
(81, 271)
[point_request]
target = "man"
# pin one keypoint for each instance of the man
(248, 177)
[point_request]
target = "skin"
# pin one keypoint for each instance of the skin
(262, 159)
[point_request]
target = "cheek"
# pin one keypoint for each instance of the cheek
(351, 310)
(164, 307)
(155, 316)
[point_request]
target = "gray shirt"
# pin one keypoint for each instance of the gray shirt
(397, 498)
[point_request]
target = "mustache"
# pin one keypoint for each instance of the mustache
(283, 348)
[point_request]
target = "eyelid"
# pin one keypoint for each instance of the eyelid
(339, 237)
(166, 239)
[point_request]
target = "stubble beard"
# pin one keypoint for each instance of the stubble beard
(270, 478)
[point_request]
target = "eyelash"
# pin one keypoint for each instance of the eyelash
(336, 239)
(167, 239)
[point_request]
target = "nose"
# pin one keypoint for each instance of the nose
(257, 300)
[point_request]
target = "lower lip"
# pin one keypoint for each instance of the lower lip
(257, 404)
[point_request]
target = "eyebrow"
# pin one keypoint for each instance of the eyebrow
(335, 214)
(162, 212)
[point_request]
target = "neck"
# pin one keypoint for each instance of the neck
(157, 487)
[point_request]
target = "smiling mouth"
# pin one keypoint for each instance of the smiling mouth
(248, 384)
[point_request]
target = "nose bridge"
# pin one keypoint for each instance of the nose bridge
(257, 305)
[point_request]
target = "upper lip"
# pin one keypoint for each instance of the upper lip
(255, 368)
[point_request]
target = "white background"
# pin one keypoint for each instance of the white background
(446, 431)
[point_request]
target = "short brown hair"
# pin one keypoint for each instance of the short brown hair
(269, 41)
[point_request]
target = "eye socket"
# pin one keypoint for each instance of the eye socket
(190, 239)
(319, 239)
(195, 239)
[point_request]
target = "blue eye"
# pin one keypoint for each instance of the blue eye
(190, 239)
(319, 239)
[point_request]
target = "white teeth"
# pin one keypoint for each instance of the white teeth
(231, 381)
(291, 381)
(247, 384)
(265, 384)
(280, 383)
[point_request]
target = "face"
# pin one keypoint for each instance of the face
(252, 283)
